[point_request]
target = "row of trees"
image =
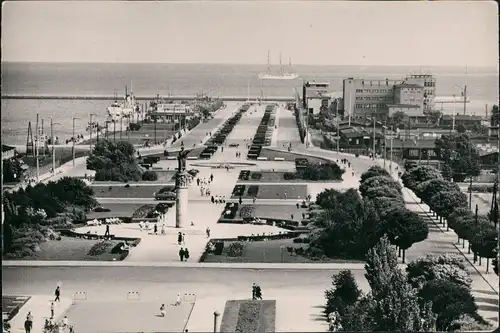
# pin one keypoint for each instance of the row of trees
(13, 170)
(433, 294)
(448, 202)
(350, 224)
(30, 211)
(115, 161)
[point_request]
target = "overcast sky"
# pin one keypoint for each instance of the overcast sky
(317, 33)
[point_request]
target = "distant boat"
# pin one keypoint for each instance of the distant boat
(282, 75)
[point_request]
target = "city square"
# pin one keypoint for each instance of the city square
(288, 202)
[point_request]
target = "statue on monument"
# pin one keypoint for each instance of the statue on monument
(181, 159)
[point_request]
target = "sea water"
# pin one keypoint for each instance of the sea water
(66, 79)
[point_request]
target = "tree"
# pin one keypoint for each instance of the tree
(429, 188)
(444, 203)
(396, 305)
(327, 199)
(13, 170)
(461, 129)
(457, 217)
(449, 301)
(361, 316)
(345, 292)
(495, 116)
(405, 228)
(438, 267)
(397, 119)
(74, 192)
(419, 174)
(384, 204)
(381, 262)
(459, 154)
(374, 171)
(382, 191)
(378, 181)
(484, 242)
(114, 161)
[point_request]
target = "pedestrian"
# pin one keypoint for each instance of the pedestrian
(155, 229)
(181, 254)
(212, 199)
(298, 206)
(163, 230)
(258, 292)
(208, 232)
(291, 215)
(221, 149)
(51, 310)
(65, 321)
(183, 239)
(58, 294)
(240, 200)
(178, 300)
(28, 325)
(254, 288)
(198, 181)
(211, 177)
(186, 253)
(179, 238)
(162, 310)
(107, 231)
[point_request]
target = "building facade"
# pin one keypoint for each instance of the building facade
(372, 97)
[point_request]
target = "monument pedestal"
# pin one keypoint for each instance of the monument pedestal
(181, 200)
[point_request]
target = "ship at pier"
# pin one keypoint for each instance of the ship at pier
(128, 108)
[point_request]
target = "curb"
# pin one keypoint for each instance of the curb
(254, 266)
(461, 253)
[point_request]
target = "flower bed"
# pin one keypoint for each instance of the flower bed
(239, 190)
(230, 210)
(244, 175)
(249, 316)
(253, 190)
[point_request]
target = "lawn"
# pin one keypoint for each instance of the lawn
(117, 210)
(483, 202)
(278, 212)
(69, 248)
(164, 176)
(120, 191)
(269, 251)
(275, 192)
(289, 156)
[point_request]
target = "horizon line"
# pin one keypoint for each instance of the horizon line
(242, 64)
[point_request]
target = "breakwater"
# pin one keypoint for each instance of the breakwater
(145, 98)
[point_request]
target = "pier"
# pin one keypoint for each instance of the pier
(145, 98)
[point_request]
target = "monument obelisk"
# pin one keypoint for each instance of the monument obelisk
(181, 185)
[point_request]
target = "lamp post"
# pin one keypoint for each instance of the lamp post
(216, 317)
(90, 130)
(74, 118)
(53, 145)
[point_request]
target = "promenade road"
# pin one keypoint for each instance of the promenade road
(288, 132)
(199, 135)
(299, 294)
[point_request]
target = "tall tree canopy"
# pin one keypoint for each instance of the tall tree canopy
(459, 155)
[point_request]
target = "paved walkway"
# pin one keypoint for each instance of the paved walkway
(39, 305)
(287, 130)
(300, 291)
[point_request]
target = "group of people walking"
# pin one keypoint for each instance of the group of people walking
(256, 292)
(183, 251)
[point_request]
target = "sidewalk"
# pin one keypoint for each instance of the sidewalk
(39, 305)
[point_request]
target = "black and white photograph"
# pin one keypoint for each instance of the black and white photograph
(250, 166)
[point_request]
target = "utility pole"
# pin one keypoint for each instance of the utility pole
(373, 119)
(465, 92)
(73, 139)
(90, 130)
(114, 130)
(392, 138)
(384, 146)
(53, 146)
(36, 148)
(121, 127)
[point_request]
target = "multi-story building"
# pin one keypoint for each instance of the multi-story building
(366, 97)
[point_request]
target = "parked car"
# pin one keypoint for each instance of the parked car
(165, 196)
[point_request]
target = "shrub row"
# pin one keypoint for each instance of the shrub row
(299, 120)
